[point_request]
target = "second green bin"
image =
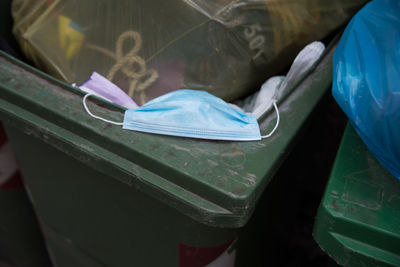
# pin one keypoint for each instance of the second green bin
(358, 222)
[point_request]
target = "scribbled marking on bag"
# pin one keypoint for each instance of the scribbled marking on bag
(130, 64)
(255, 38)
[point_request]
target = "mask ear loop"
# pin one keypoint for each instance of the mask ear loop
(277, 122)
(121, 123)
(94, 116)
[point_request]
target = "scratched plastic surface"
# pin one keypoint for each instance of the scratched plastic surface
(148, 48)
(223, 179)
(109, 197)
(358, 223)
(105, 196)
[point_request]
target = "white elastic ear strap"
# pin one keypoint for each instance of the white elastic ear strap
(120, 123)
(277, 121)
(94, 116)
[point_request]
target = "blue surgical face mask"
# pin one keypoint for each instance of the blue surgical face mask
(191, 113)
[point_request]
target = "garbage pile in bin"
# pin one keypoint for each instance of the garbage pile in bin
(148, 48)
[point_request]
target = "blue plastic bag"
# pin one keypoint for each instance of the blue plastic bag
(367, 79)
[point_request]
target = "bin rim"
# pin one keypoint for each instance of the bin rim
(217, 183)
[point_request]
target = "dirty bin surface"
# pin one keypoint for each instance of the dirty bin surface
(358, 222)
(105, 195)
(222, 180)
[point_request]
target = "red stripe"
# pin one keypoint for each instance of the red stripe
(190, 256)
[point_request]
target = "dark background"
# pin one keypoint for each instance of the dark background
(283, 221)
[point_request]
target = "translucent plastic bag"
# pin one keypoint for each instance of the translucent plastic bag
(367, 79)
(148, 48)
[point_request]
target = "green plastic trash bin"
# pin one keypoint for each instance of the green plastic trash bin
(111, 197)
(358, 223)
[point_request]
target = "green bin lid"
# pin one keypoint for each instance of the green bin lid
(358, 222)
